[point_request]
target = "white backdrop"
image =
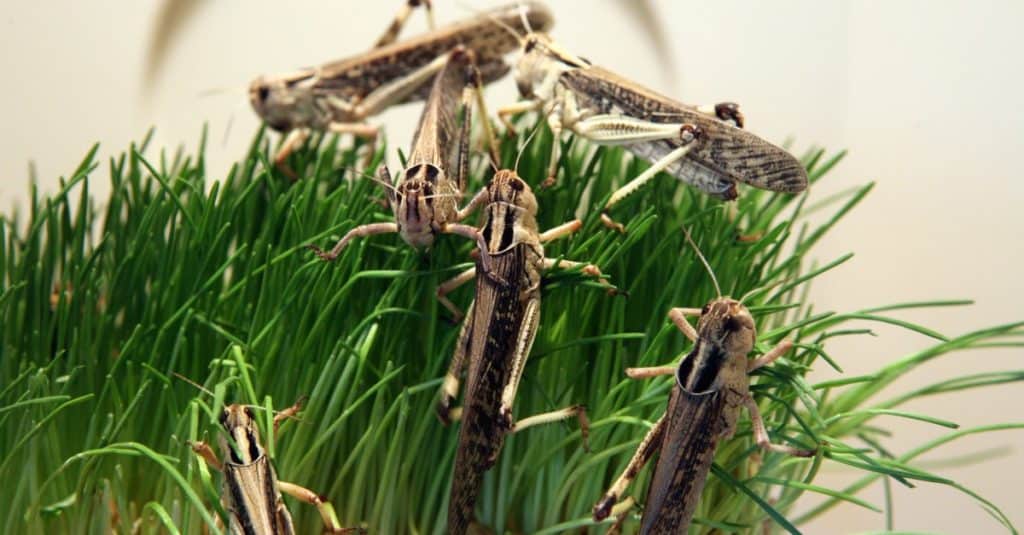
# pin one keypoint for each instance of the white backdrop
(925, 95)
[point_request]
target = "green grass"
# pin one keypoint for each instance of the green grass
(175, 273)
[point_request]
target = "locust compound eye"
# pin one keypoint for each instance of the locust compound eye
(263, 92)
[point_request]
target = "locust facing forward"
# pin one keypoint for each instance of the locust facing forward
(251, 492)
(711, 385)
(496, 339)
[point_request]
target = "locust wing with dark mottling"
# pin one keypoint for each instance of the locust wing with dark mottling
(723, 154)
(687, 450)
(355, 77)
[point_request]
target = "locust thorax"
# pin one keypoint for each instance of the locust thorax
(419, 205)
(725, 335)
(238, 422)
(284, 102)
(541, 64)
(511, 213)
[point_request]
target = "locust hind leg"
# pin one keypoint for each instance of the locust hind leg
(395, 28)
(450, 386)
(327, 513)
(643, 454)
(524, 341)
(473, 95)
(619, 130)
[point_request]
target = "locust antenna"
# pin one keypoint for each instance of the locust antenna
(526, 144)
(215, 91)
(703, 261)
(500, 23)
(198, 386)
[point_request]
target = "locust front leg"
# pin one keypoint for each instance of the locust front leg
(579, 411)
(643, 454)
(554, 233)
(357, 232)
(203, 450)
(293, 140)
(678, 317)
(756, 422)
(516, 108)
(761, 433)
(290, 412)
(371, 229)
(475, 96)
(330, 518)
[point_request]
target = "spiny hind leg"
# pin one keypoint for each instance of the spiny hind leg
(473, 95)
(450, 386)
(688, 136)
(524, 341)
(643, 454)
(620, 512)
(330, 518)
(395, 28)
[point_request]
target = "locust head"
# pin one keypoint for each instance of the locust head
(507, 187)
(542, 62)
(415, 203)
(727, 323)
(244, 447)
(284, 102)
(725, 333)
(510, 214)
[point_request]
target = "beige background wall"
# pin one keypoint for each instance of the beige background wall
(926, 95)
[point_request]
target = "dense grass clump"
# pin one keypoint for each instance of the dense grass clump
(106, 301)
